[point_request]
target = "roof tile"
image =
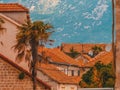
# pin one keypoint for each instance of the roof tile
(54, 73)
(10, 7)
(58, 56)
(105, 57)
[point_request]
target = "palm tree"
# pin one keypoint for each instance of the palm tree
(28, 38)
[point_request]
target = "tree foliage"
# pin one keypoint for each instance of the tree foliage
(100, 75)
(73, 53)
(87, 77)
(96, 50)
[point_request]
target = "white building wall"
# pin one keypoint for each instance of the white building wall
(17, 16)
(68, 69)
(75, 69)
(45, 78)
(68, 87)
(9, 39)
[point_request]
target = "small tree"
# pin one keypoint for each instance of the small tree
(73, 53)
(88, 76)
(96, 50)
(100, 75)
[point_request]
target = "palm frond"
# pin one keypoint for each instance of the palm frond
(20, 57)
(48, 26)
(28, 56)
(51, 40)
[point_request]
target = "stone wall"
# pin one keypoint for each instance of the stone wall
(9, 79)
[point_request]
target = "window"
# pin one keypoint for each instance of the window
(66, 71)
(72, 88)
(78, 72)
(72, 71)
(62, 88)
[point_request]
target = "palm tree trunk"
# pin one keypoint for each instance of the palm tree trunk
(34, 48)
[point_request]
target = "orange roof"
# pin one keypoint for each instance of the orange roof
(58, 56)
(79, 46)
(10, 7)
(87, 57)
(104, 57)
(57, 75)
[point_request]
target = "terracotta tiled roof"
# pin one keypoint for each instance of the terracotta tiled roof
(79, 47)
(104, 57)
(57, 75)
(76, 78)
(87, 57)
(23, 70)
(59, 57)
(10, 7)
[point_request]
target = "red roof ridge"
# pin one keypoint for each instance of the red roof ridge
(22, 69)
(13, 7)
(22, 6)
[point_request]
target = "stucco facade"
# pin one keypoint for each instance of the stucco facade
(8, 39)
(47, 79)
(70, 70)
(19, 17)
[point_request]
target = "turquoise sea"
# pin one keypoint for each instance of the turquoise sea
(74, 21)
